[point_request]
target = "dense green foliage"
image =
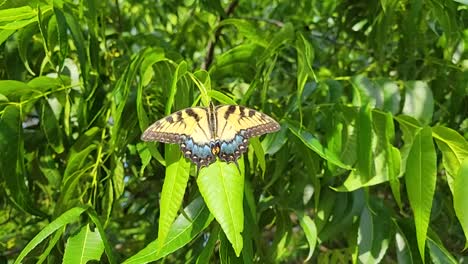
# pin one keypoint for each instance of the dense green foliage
(370, 164)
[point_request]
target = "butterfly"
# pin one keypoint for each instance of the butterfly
(207, 133)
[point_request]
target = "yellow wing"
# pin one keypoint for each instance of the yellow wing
(189, 122)
(235, 125)
(190, 128)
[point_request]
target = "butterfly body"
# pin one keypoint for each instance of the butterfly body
(207, 133)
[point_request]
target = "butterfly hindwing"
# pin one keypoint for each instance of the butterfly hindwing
(190, 129)
(235, 125)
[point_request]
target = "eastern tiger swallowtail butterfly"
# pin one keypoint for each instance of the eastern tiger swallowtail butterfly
(204, 133)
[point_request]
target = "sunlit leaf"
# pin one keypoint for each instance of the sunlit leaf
(64, 219)
(173, 190)
(374, 234)
(420, 182)
(366, 92)
(454, 150)
(83, 247)
(182, 231)
(222, 188)
(419, 101)
(460, 203)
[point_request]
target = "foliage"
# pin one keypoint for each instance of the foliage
(370, 164)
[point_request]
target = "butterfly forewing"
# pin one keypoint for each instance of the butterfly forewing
(190, 129)
(235, 125)
(241, 118)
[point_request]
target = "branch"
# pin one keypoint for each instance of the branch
(212, 43)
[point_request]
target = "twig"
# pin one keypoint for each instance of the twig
(212, 43)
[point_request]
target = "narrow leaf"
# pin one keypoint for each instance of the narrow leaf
(420, 182)
(454, 150)
(186, 227)
(173, 190)
(64, 219)
(439, 254)
(310, 232)
(12, 170)
(209, 248)
(311, 142)
(364, 146)
(460, 203)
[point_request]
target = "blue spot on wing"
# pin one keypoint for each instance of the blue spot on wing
(230, 151)
(201, 155)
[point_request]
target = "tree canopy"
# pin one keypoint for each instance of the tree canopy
(370, 164)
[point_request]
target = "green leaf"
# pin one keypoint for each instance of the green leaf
(5, 34)
(222, 188)
(310, 232)
(280, 38)
(258, 149)
(366, 92)
(14, 90)
(83, 247)
(52, 243)
(95, 219)
(387, 157)
(15, 14)
(454, 150)
(12, 165)
(305, 59)
(51, 127)
(403, 246)
(420, 182)
(247, 29)
(173, 190)
(439, 254)
(365, 165)
(311, 142)
(238, 61)
(374, 233)
(69, 216)
(460, 203)
(179, 72)
(391, 95)
(24, 42)
(56, 35)
(186, 227)
(77, 167)
(76, 161)
(45, 83)
(226, 253)
(419, 101)
(208, 250)
(84, 141)
(118, 175)
(78, 40)
(409, 126)
(145, 155)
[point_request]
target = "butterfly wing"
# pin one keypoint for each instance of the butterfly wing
(235, 125)
(190, 129)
